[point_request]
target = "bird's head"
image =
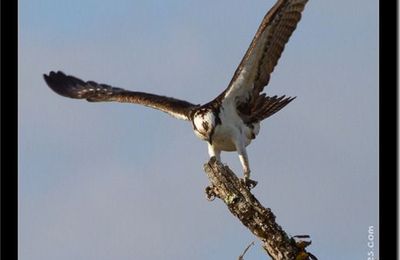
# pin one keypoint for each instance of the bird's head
(204, 122)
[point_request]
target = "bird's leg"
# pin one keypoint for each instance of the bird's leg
(244, 160)
(214, 152)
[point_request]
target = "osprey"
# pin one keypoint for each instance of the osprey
(230, 121)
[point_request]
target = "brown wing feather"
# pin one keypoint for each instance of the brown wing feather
(72, 87)
(283, 25)
(263, 53)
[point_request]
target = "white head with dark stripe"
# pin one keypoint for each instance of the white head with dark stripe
(204, 122)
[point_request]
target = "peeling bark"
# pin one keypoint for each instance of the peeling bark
(226, 186)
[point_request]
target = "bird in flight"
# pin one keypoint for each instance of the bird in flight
(230, 121)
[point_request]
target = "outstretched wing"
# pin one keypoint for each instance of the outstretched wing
(254, 71)
(72, 87)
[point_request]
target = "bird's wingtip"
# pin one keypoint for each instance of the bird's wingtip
(58, 82)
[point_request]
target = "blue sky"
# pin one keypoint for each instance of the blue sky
(119, 181)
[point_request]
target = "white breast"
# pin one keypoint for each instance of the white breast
(231, 130)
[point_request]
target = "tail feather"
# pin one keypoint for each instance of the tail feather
(267, 106)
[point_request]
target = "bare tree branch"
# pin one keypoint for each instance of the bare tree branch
(244, 252)
(226, 186)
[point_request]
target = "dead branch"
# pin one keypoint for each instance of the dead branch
(241, 257)
(226, 186)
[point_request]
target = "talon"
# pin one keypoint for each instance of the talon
(249, 182)
(210, 193)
